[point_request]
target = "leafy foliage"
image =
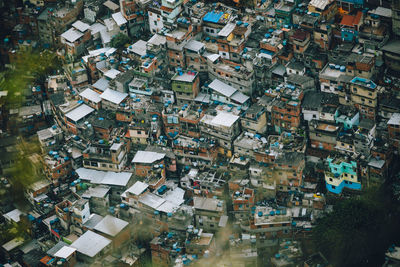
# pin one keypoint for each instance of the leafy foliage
(357, 231)
(32, 66)
(119, 40)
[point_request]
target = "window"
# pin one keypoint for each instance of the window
(139, 132)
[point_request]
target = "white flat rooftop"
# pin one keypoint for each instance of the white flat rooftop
(147, 157)
(225, 119)
(194, 45)
(185, 77)
(64, 252)
(394, 119)
(13, 215)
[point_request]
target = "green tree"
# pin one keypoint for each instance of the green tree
(357, 231)
(119, 40)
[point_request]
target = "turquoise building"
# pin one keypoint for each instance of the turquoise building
(348, 118)
(341, 174)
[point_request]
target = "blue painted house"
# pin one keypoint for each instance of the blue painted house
(348, 116)
(350, 25)
(341, 174)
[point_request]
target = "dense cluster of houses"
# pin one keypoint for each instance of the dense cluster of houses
(215, 124)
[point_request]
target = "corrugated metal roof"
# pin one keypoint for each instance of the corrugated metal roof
(113, 96)
(151, 200)
(321, 4)
(225, 31)
(90, 243)
(138, 48)
(116, 178)
(157, 39)
(101, 84)
(72, 35)
(119, 18)
(97, 27)
(81, 26)
(105, 36)
(394, 119)
(91, 95)
(111, 225)
(137, 188)
(103, 177)
(222, 88)
(194, 45)
(239, 97)
(79, 112)
(112, 73)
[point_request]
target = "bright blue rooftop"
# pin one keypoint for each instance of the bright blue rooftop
(364, 82)
(213, 16)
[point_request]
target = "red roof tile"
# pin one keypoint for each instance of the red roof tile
(351, 20)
